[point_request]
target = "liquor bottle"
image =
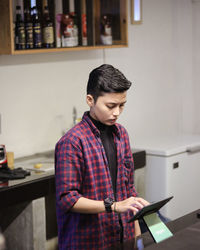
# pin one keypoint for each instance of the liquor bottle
(47, 28)
(106, 30)
(28, 27)
(69, 28)
(37, 30)
(58, 19)
(73, 16)
(19, 29)
(75, 28)
(84, 23)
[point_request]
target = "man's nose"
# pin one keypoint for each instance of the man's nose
(116, 111)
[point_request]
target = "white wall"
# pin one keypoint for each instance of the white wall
(38, 92)
(196, 63)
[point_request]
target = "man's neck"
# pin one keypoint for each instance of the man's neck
(98, 124)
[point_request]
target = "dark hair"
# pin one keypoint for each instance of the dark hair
(106, 79)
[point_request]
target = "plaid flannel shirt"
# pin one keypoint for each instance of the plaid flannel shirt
(81, 170)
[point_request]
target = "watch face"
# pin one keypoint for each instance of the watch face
(108, 203)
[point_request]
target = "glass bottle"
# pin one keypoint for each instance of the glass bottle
(106, 30)
(28, 27)
(19, 29)
(47, 29)
(37, 30)
(75, 28)
(67, 30)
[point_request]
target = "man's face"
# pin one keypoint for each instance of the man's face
(107, 107)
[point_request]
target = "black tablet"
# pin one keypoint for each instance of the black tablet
(152, 208)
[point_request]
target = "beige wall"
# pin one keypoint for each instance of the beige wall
(38, 92)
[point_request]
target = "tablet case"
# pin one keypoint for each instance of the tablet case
(158, 230)
(152, 208)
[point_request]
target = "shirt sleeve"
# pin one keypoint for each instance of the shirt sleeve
(68, 165)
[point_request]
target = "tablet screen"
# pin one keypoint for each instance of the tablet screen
(152, 208)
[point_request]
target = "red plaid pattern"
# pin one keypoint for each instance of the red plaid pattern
(82, 170)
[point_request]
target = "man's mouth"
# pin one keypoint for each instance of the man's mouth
(113, 120)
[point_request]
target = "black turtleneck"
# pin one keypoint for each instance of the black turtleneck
(106, 135)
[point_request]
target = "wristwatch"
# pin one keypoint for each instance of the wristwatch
(108, 203)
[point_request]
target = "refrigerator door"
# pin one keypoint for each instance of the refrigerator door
(178, 176)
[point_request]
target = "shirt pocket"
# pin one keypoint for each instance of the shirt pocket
(127, 168)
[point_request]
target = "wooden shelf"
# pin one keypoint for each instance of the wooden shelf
(7, 29)
(79, 48)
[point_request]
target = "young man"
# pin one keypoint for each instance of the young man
(95, 194)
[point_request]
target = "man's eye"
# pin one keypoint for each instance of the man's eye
(110, 107)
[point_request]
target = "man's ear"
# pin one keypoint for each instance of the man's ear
(90, 100)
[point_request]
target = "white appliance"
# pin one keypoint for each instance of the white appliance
(173, 169)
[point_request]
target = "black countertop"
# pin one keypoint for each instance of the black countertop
(40, 184)
(186, 235)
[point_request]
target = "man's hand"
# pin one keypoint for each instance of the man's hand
(133, 203)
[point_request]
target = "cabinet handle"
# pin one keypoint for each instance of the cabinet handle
(194, 149)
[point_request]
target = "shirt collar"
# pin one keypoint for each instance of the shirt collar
(96, 126)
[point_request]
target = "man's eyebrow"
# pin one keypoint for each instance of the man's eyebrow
(117, 102)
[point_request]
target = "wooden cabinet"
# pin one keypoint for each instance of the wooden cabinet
(117, 8)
